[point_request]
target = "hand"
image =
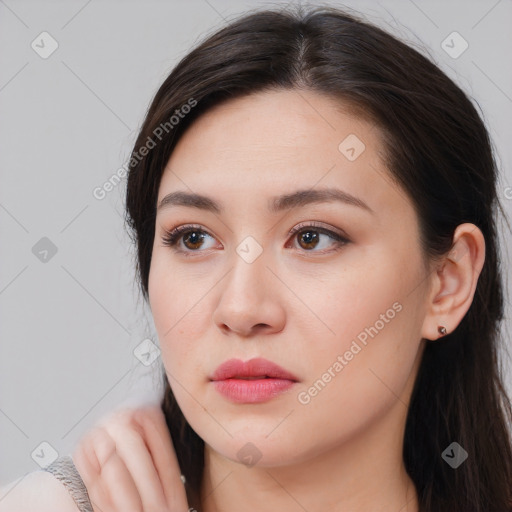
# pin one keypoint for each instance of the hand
(128, 462)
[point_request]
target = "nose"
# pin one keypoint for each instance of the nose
(251, 300)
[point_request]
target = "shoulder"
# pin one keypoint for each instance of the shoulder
(38, 491)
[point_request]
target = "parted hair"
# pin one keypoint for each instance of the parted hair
(437, 149)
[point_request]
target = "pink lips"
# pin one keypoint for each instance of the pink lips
(253, 381)
(253, 368)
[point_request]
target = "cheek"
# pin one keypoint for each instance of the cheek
(179, 310)
(168, 297)
(354, 298)
(373, 324)
(352, 383)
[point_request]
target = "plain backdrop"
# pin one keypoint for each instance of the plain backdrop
(71, 324)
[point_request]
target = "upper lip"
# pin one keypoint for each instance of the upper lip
(253, 368)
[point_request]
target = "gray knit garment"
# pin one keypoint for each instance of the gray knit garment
(64, 470)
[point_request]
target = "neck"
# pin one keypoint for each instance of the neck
(364, 473)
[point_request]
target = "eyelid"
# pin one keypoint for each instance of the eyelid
(173, 236)
(319, 226)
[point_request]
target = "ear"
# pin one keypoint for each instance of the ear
(454, 281)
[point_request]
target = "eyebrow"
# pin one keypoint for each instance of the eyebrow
(276, 204)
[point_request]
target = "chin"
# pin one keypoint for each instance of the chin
(257, 449)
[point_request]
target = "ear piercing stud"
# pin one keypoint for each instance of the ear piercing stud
(441, 330)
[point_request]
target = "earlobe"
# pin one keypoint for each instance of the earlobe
(455, 282)
(441, 329)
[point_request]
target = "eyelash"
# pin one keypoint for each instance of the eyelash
(171, 238)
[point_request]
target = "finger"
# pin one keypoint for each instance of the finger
(159, 442)
(109, 483)
(132, 449)
(122, 490)
(89, 468)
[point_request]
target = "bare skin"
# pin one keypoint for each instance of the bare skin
(127, 462)
(300, 304)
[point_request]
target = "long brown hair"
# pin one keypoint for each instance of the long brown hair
(437, 149)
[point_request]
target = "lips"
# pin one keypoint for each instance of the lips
(257, 368)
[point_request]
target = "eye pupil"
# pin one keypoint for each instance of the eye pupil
(193, 237)
(310, 237)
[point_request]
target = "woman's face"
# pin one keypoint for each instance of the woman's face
(343, 316)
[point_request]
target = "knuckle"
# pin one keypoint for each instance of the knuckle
(150, 415)
(120, 416)
(125, 432)
(89, 440)
(131, 422)
(100, 434)
(99, 448)
(119, 422)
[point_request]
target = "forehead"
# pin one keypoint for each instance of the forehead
(275, 141)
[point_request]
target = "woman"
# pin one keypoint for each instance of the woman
(314, 207)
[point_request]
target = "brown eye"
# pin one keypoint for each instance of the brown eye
(193, 238)
(310, 237)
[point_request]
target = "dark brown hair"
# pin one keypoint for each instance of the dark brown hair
(437, 150)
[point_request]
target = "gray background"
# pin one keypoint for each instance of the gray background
(69, 326)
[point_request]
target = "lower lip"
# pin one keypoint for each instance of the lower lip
(252, 391)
